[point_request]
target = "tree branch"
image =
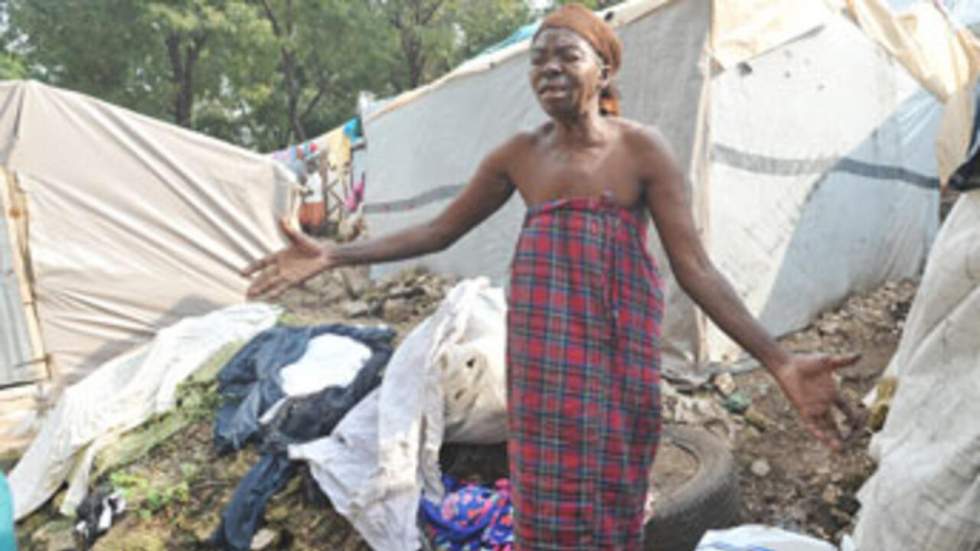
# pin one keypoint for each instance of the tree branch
(321, 90)
(271, 16)
(173, 50)
(427, 18)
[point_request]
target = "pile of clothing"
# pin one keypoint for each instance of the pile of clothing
(445, 383)
(371, 442)
(289, 385)
(469, 518)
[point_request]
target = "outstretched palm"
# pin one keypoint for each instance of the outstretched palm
(302, 259)
(809, 385)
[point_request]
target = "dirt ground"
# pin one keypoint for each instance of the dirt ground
(177, 491)
(808, 488)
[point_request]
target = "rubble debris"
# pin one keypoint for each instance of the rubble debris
(126, 537)
(793, 494)
(698, 410)
(357, 309)
(737, 403)
(876, 317)
(97, 513)
(884, 393)
(396, 310)
(810, 489)
(761, 468)
(725, 384)
(830, 494)
(56, 535)
(356, 281)
(264, 539)
(757, 419)
(348, 293)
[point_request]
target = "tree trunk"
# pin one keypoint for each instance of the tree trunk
(415, 58)
(283, 29)
(408, 19)
(182, 62)
(292, 94)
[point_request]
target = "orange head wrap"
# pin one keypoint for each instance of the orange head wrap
(582, 21)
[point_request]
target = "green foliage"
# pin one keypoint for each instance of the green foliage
(429, 37)
(12, 67)
(326, 52)
(65, 43)
(486, 23)
(126, 482)
(148, 497)
(147, 488)
(260, 73)
(197, 400)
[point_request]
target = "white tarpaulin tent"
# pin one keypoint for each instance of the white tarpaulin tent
(811, 148)
(115, 225)
(925, 493)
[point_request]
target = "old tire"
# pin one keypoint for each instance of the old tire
(708, 499)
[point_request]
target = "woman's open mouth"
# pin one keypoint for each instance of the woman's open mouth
(547, 92)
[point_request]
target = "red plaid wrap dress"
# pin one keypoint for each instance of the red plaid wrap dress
(583, 352)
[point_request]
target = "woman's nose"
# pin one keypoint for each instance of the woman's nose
(551, 67)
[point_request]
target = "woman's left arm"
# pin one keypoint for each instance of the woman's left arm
(807, 381)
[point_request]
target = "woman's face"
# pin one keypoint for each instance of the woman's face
(566, 73)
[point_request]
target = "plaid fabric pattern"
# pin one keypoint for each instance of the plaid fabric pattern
(583, 352)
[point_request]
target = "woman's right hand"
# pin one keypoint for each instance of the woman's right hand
(301, 260)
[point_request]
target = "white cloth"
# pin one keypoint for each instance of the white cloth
(121, 395)
(755, 537)
(925, 493)
(329, 360)
(313, 189)
(447, 379)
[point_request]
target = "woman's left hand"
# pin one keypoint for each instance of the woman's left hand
(809, 384)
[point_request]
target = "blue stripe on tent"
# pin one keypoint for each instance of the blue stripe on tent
(723, 154)
(412, 203)
(779, 166)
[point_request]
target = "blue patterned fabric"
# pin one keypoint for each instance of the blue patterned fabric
(470, 517)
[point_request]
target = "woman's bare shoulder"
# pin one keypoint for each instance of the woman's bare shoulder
(648, 147)
(643, 138)
(518, 145)
(530, 137)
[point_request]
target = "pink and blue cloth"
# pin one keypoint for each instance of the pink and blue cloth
(470, 518)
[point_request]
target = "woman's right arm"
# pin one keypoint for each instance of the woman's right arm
(487, 191)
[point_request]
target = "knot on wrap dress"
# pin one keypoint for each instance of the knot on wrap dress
(583, 352)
